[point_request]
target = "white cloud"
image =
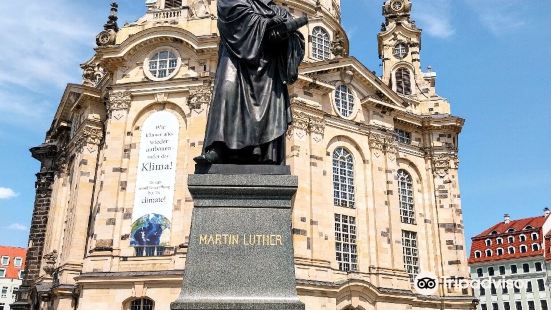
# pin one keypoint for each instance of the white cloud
(7, 193)
(42, 46)
(499, 16)
(17, 226)
(435, 17)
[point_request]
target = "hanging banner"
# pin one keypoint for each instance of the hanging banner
(156, 176)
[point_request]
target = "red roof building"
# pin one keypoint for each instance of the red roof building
(513, 251)
(12, 262)
(509, 240)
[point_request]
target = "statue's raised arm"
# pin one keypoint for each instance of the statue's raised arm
(260, 51)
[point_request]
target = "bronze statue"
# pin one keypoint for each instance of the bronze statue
(259, 55)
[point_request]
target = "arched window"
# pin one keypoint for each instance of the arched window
(535, 236)
(321, 44)
(511, 230)
(403, 81)
(477, 254)
(499, 251)
(523, 249)
(489, 253)
(522, 238)
(535, 247)
(343, 178)
(488, 242)
(344, 100)
(141, 304)
(407, 206)
(499, 240)
(170, 4)
(511, 239)
(511, 250)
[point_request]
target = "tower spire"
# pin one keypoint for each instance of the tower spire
(113, 18)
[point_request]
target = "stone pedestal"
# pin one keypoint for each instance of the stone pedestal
(240, 247)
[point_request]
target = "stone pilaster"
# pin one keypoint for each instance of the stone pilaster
(46, 154)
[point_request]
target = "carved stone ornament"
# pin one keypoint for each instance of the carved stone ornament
(106, 38)
(88, 136)
(50, 261)
(337, 46)
(441, 164)
(200, 9)
(119, 100)
(92, 74)
(307, 124)
(199, 95)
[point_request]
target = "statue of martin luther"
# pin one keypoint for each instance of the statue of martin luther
(260, 52)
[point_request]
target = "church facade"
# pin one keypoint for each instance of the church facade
(376, 157)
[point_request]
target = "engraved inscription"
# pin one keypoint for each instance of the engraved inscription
(244, 239)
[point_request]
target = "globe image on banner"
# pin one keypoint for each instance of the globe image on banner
(150, 229)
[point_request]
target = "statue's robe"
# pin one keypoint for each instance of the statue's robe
(250, 111)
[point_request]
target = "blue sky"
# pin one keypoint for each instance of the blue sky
(491, 56)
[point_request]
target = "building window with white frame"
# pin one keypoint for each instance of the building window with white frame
(511, 239)
(4, 293)
(402, 136)
(535, 247)
(499, 251)
(343, 178)
(344, 100)
(411, 253)
(523, 249)
(488, 242)
(511, 250)
(477, 254)
(488, 253)
(5, 260)
(2, 273)
(162, 64)
(321, 44)
(406, 200)
(345, 242)
(499, 240)
(18, 261)
(522, 238)
(403, 81)
(535, 236)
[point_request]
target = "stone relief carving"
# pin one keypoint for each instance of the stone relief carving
(50, 261)
(441, 163)
(200, 95)
(380, 143)
(119, 100)
(89, 137)
(92, 74)
(307, 124)
(200, 9)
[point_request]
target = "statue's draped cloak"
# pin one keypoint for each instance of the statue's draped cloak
(250, 106)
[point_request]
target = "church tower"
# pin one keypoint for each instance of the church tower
(399, 44)
(376, 157)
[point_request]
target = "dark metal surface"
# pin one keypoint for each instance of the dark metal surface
(259, 55)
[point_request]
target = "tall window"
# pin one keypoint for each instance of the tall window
(344, 100)
(411, 253)
(403, 81)
(321, 44)
(407, 207)
(169, 4)
(2, 273)
(343, 178)
(142, 304)
(345, 242)
(4, 292)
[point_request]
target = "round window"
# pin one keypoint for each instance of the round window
(344, 100)
(162, 64)
(400, 50)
